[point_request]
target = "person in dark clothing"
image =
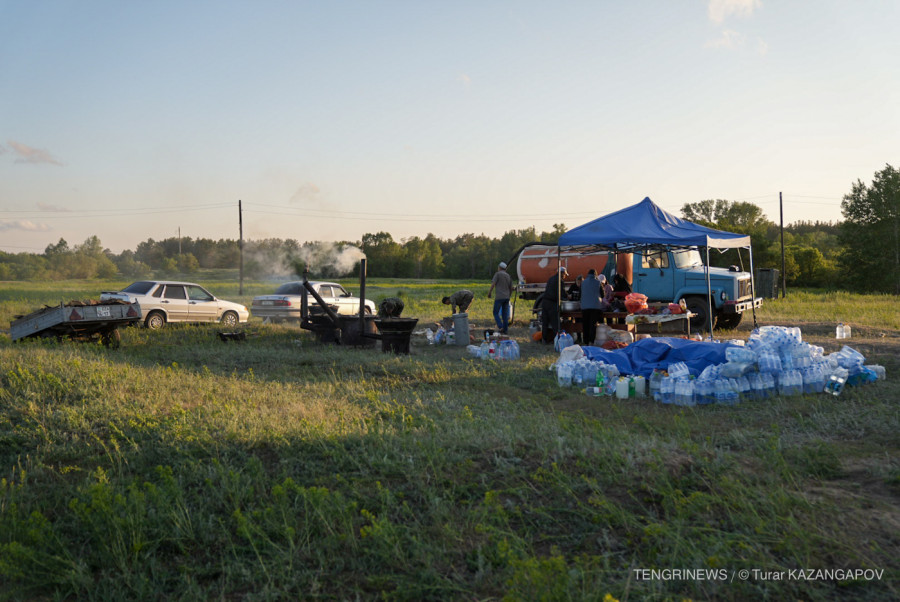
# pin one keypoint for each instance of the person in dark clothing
(620, 285)
(574, 292)
(550, 306)
(590, 306)
(391, 307)
(459, 301)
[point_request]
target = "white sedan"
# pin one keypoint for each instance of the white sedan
(285, 303)
(163, 301)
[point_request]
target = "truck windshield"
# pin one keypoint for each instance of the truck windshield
(687, 258)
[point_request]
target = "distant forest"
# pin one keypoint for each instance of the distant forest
(811, 253)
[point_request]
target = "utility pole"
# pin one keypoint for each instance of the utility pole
(179, 240)
(241, 247)
(783, 276)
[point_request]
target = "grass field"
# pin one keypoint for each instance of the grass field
(181, 467)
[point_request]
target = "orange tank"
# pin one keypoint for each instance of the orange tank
(537, 263)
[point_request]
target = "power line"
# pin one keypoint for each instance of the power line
(455, 216)
(397, 217)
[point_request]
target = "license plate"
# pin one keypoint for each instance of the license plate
(103, 312)
(268, 302)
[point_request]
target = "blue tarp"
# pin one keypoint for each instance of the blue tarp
(642, 357)
(646, 225)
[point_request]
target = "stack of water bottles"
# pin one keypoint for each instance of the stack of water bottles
(597, 378)
(774, 361)
(506, 349)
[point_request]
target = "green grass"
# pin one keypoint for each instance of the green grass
(181, 467)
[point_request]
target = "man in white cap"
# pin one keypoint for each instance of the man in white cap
(502, 281)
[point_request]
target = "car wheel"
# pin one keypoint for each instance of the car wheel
(700, 307)
(229, 318)
(155, 320)
(367, 310)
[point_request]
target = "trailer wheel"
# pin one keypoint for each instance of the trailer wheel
(700, 307)
(111, 339)
(729, 321)
(155, 320)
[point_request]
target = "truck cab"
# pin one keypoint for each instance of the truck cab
(672, 275)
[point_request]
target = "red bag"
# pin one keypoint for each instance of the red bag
(635, 302)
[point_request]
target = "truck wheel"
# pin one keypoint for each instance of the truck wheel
(700, 307)
(729, 321)
(155, 320)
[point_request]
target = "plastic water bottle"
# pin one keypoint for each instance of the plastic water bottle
(655, 380)
(640, 386)
(622, 387)
(839, 331)
(484, 353)
(846, 331)
(632, 388)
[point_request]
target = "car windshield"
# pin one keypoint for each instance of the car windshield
(289, 288)
(139, 288)
(687, 258)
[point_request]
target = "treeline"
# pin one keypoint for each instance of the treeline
(862, 252)
(463, 257)
(811, 250)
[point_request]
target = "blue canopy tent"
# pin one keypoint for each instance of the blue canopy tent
(645, 226)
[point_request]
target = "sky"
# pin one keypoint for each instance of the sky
(329, 120)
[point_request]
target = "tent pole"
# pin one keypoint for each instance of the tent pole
(559, 288)
(709, 315)
(752, 290)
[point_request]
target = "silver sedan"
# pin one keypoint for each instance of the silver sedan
(164, 301)
(285, 302)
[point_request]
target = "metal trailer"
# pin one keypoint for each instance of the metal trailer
(77, 320)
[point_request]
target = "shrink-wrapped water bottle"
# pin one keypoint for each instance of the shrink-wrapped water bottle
(757, 385)
(740, 355)
(684, 393)
(835, 383)
(678, 370)
(667, 389)
(744, 391)
(722, 389)
(563, 372)
(880, 374)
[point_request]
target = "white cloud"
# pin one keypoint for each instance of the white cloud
(23, 224)
(719, 10)
(761, 47)
(729, 39)
(464, 79)
(27, 154)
